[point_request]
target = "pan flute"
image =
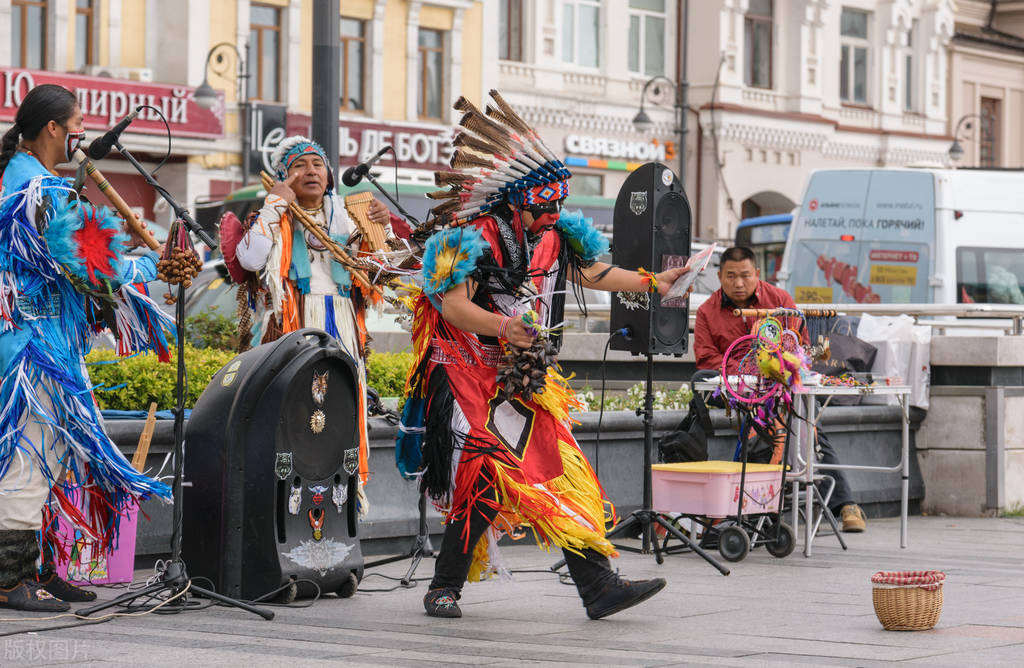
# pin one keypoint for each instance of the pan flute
(374, 234)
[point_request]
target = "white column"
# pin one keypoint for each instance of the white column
(375, 67)
(152, 39)
(489, 70)
(292, 53)
(412, 76)
(5, 33)
(453, 86)
(731, 38)
(804, 59)
(936, 25)
(57, 35)
(113, 20)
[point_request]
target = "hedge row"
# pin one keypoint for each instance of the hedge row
(132, 383)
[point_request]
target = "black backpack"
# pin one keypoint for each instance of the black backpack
(689, 441)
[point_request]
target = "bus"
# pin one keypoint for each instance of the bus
(766, 236)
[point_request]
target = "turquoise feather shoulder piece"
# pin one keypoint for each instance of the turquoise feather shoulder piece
(450, 257)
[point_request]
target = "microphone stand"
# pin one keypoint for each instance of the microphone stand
(179, 211)
(174, 579)
(369, 177)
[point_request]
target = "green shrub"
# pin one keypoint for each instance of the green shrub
(210, 329)
(146, 379)
(633, 399)
(386, 372)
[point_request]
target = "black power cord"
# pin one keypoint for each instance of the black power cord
(626, 333)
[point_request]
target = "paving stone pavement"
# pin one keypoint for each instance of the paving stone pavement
(767, 612)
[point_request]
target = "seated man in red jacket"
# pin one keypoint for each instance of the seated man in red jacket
(717, 328)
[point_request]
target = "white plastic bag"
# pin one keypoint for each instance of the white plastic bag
(903, 355)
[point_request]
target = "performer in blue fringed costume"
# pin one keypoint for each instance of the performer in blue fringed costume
(63, 275)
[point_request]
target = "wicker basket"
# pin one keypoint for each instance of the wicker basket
(907, 600)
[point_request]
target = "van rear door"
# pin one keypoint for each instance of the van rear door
(863, 236)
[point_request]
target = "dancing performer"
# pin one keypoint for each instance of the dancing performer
(497, 456)
(63, 274)
(307, 287)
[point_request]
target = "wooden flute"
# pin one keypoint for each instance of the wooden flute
(122, 207)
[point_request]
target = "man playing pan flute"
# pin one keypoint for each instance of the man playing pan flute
(308, 287)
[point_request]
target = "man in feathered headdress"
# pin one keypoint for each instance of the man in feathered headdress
(307, 286)
(498, 454)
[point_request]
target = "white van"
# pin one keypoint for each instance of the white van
(899, 236)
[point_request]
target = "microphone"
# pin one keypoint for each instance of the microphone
(353, 175)
(99, 148)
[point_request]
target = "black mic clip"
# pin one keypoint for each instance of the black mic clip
(353, 175)
(99, 148)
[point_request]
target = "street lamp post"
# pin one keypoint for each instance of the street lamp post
(206, 96)
(643, 123)
(956, 151)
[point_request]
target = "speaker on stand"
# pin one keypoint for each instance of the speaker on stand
(272, 458)
(651, 229)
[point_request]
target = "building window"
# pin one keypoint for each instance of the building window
(510, 30)
(758, 44)
(647, 37)
(988, 139)
(581, 31)
(28, 34)
(587, 185)
(84, 13)
(909, 80)
(353, 64)
(431, 62)
(853, 56)
(264, 53)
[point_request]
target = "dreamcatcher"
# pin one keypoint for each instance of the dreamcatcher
(770, 362)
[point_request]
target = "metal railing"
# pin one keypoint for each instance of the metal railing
(1008, 318)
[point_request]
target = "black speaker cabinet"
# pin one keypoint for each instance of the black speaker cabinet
(271, 459)
(651, 229)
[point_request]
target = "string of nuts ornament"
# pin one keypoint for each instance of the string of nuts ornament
(180, 262)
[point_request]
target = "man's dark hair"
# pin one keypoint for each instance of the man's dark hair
(737, 254)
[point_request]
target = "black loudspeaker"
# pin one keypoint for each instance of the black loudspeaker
(651, 229)
(271, 460)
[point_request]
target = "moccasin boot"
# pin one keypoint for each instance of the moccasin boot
(28, 595)
(620, 594)
(63, 589)
(442, 602)
(853, 518)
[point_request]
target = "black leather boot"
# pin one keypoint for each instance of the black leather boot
(620, 594)
(18, 587)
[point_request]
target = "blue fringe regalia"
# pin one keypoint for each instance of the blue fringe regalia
(63, 275)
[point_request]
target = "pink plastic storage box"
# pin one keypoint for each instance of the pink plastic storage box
(87, 567)
(712, 488)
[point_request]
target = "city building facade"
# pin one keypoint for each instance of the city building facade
(403, 63)
(986, 101)
(789, 86)
(775, 88)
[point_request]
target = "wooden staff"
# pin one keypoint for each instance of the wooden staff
(765, 312)
(337, 251)
(122, 207)
(139, 460)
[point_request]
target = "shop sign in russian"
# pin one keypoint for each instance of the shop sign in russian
(106, 101)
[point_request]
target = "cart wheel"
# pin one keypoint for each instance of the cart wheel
(733, 543)
(348, 587)
(783, 544)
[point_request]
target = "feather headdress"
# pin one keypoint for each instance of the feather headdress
(498, 158)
